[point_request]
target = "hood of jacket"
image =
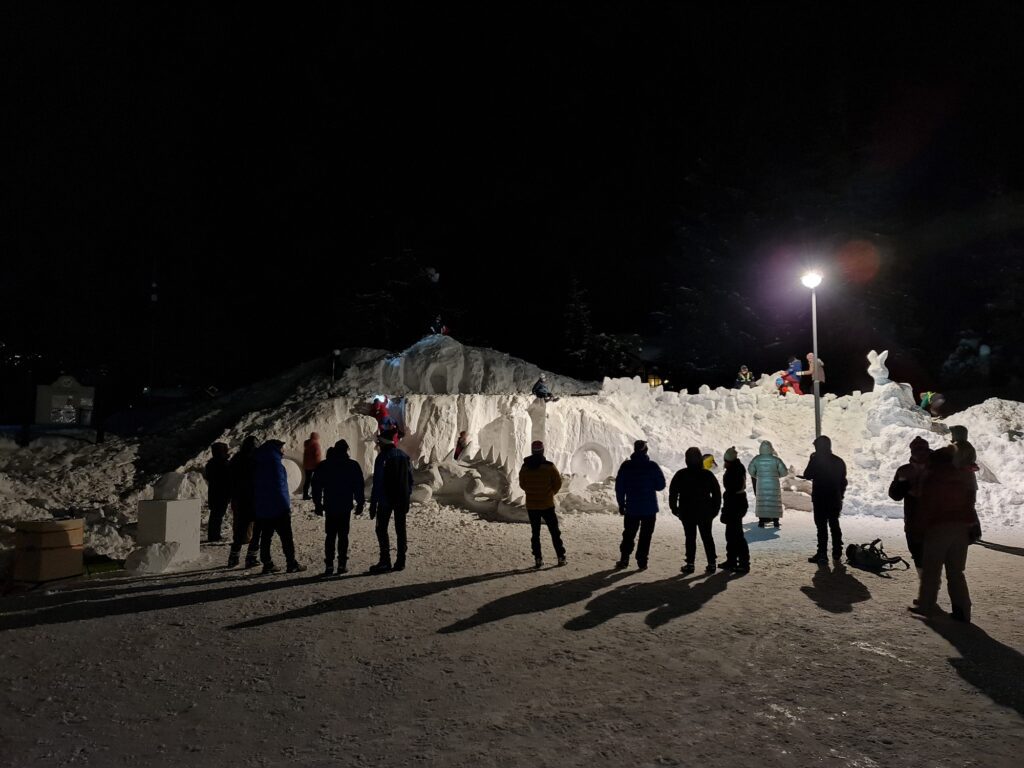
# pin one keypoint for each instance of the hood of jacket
(534, 460)
(766, 449)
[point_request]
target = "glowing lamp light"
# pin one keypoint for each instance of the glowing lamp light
(811, 279)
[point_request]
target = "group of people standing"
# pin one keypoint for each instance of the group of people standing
(255, 484)
(787, 380)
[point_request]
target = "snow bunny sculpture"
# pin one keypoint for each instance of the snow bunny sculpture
(877, 369)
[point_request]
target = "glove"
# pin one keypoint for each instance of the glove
(974, 534)
(359, 510)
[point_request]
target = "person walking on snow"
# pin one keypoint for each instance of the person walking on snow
(827, 473)
(695, 498)
(337, 488)
(243, 501)
(392, 488)
(541, 391)
(311, 458)
(218, 481)
(636, 486)
(273, 508)
(540, 481)
(765, 470)
(734, 507)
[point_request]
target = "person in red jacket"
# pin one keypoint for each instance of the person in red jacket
(946, 517)
(379, 409)
(312, 455)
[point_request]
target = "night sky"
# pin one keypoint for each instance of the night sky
(287, 178)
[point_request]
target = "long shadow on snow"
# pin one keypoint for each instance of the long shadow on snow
(666, 600)
(374, 597)
(993, 668)
(836, 590)
(537, 599)
(752, 533)
(1004, 548)
(98, 609)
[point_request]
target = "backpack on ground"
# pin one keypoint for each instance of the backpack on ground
(871, 557)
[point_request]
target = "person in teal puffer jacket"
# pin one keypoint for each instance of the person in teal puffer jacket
(765, 471)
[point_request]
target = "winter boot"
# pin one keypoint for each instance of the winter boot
(342, 567)
(837, 554)
(687, 568)
(777, 524)
(958, 614)
(384, 566)
(251, 561)
(295, 568)
(270, 568)
(728, 565)
(329, 570)
(742, 568)
(623, 563)
(819, 558)
(399, 563)
(233, 559)
(538, 562)
(641, 565)
(711, 568)
(561, 560)
(760, 523)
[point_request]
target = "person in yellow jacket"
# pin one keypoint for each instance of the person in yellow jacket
(540, 481)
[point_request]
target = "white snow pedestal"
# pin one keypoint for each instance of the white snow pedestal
(169, 520)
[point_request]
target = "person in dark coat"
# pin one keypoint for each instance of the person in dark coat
(744, 378)
(636, 486)
(460, 445)
(906, 487)
(392, 488)
(947, 516)
(734, 507)
(243, 531)
(695, 498)
(540, 481)
(541, 392)
(827, 473)
(273, 508)
(218, 481)
(337, 488)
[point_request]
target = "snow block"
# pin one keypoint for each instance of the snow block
(153, 558)
(163, 521)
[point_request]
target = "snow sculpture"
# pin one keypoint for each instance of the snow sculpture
(877, 369)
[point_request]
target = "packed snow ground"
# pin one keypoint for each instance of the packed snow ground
(467, 659)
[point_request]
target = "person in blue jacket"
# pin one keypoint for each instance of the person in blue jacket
(272, 506)
(793, 372)
(337, 488)
(636, 487)
(392, 489)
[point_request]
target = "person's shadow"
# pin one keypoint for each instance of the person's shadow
(993, 668)
(835, 590)
(752, 532)
(373, 598)
(543, 598)
(665, 600)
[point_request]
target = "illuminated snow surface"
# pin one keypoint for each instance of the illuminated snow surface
(471, 658)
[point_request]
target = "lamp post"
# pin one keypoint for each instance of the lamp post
(812, 280)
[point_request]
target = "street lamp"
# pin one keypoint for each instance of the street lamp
(812, 280)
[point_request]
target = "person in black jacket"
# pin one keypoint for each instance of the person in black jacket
(392, 488)
(734, 507)
(218, 482)
(337, 488)
(242, 501)
(695, 497)
(827, 473)
(906, 487)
